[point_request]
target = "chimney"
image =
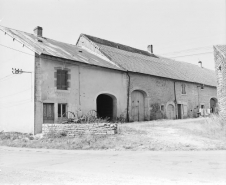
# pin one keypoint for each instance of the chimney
(150, 49)
(200, 62)
(38, 31)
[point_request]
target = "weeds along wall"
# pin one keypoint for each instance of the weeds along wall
(78, 129)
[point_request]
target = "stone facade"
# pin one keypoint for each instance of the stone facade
(160, 92)
(72, 130)
(220, 69)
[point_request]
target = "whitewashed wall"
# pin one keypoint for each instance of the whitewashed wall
(16, 91)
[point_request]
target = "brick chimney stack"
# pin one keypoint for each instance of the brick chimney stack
(150, 49)
(200, 62)
(38, 31)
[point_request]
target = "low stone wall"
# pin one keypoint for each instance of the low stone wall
(77, 129)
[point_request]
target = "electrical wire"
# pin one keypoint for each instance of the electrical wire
(187, 50)
(8, 78)
(22, 102)
(15, 93)
(15, 49)
(192, 54)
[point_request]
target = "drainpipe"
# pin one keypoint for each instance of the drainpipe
(128, 90)
(175, 98)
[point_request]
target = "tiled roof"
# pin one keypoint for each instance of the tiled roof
(222, 49)
(161, 67)
(42, 45)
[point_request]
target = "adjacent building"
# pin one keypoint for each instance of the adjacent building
(220, 68)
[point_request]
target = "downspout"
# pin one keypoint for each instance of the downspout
(128, 91)
(175, 99)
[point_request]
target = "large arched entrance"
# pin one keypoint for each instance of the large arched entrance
(213, 105)
(137, 106)
(106, 106)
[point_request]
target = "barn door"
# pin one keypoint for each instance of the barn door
(137, 108)
(48, 113)
(170, 111)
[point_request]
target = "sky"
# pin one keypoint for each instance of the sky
(184, 30)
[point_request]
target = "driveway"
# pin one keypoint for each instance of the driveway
(45, 166)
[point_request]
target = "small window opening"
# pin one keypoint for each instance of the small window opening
(62, 110)
(183, 88)
(162, 107)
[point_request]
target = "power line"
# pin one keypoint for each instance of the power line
(15, 93)
(182, 51)
(16, 49)
(9, 77)
(22, 102)
(5, 77)
(191, 54)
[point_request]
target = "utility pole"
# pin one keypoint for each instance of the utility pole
(20, 71)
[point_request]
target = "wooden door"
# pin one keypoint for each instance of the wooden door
(48, 113)
(170, 111)
(179, 111)
(137, 109)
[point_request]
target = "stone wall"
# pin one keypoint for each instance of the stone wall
(78, 129)
(160, 92)
(220, 69)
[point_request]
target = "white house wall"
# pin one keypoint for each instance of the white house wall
(16, 91)
(86, 83)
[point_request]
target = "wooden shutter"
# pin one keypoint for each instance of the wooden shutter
(58, 79)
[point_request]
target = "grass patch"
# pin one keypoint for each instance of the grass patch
(190, 134)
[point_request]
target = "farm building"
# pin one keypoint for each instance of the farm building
(95, 74)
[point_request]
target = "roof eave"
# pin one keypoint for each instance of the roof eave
(21, 41)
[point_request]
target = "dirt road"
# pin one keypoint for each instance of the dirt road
(42, 166)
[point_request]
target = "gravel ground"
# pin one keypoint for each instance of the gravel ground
(21, 166)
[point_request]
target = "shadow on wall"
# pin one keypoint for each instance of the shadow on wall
(156, 113)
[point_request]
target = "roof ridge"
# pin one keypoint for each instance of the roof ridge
(117, 45)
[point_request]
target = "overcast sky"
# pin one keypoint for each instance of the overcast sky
(170, 25)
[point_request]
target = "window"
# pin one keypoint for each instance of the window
(62, 77)
(183, 88)
(62, 109)
(162, 107)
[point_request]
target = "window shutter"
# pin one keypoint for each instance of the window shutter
(58, 79)
(66, 78)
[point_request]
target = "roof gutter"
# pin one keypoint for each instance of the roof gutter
(175, 98)
(128, 92)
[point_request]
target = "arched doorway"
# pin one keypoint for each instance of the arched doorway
(213, 105)
(106, 106)
(170, 111)
(137, 106)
